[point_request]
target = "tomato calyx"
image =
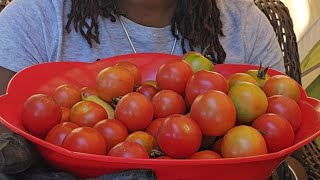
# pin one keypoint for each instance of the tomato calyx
(115, 101)
(156, 153)
(262, 72)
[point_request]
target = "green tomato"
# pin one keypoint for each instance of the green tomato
(260, 75)
(197, 61)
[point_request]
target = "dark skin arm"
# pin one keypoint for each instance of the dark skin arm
(5, 76)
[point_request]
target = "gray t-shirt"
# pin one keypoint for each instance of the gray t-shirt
(33, 31)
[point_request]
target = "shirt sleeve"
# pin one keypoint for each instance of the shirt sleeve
(261, 44)
(22, 41)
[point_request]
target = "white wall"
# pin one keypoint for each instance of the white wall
(306, 20)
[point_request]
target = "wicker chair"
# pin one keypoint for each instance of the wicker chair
(279, 17)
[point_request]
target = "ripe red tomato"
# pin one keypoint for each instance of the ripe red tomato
(242, 141)
(88, 91)
(282, 85)
(179, 136)
(65, 114)
(129, 149)
(147, 90)
(87, 113)
(133, 69)
(57, 134)
(249, 100)
(153, 127)
(135, 111)
(286, 107)
(113, 82)
(203, 81)
(39, 114)
(205, 154)
(214, 112)
(146, 140)
(276, 130)
(241, 77)
(174, 76)
(166, 103)
(85, 140)
(66, 95)
(113, 131)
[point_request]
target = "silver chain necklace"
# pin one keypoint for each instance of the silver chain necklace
(130, 41)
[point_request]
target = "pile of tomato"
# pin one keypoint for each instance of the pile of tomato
(185, 113)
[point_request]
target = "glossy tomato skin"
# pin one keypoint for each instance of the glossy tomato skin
(113, 131)
(147, 90)
(205, 154)
(243, 141)
(174, 76)
(277, 131)
(166, 103)
(282, 85)
(129, 149)
(135, 111)
(249, 100)
(146, 140)
(179, 136)
(214, 112)
(203, 81)
(39, 114)
(67, 95)
(87, 113)
(240, 77)
(153, 127)
(286, 107)
(57, 134)
(133, 69)
(85, 140)
(114, 81)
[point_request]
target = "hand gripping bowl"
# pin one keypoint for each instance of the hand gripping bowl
(44, 77)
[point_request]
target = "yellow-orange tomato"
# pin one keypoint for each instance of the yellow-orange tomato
(243, 141)
(241, 77)
(249, 100)
(143, 138)
(113, 82)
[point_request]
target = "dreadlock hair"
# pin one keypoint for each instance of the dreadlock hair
(198, 21)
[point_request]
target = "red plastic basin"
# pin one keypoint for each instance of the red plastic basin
(45, 77)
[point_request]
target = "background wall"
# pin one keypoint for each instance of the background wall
(306, 19)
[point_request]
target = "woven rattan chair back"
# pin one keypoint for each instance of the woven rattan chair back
(279, 17)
